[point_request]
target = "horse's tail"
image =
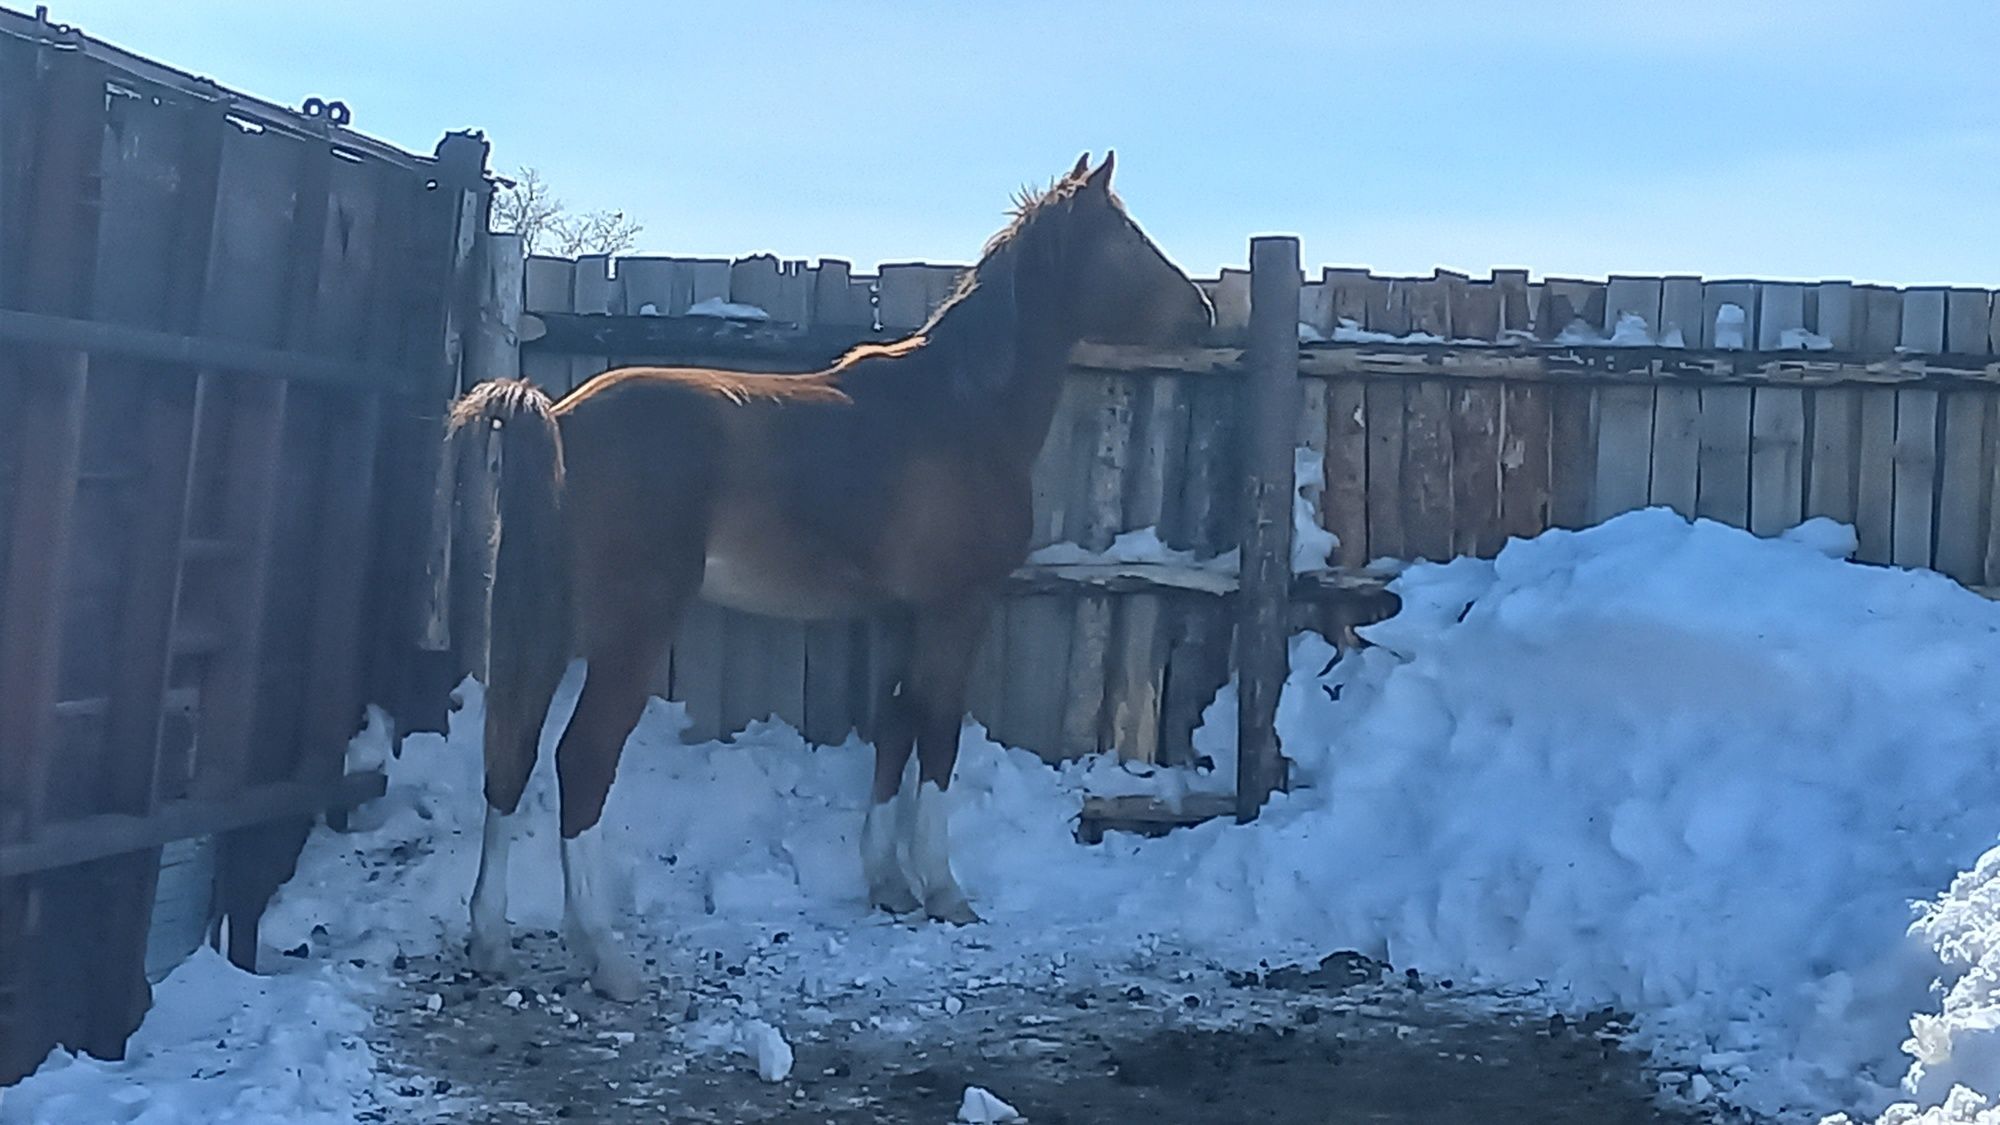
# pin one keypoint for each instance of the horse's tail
(529, 632)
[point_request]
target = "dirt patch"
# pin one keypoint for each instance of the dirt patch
(1348, 1042)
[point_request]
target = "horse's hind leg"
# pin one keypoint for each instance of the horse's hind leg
(513, 737)
(624, 633)
(941, 661)
(882, 827)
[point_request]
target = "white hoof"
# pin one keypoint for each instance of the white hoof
(894, 897)
(493, 957)
(616, 977)
(951, 907)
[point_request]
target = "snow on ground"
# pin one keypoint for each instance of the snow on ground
(1739, 787)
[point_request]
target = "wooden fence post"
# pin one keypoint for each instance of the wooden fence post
(1262, 661)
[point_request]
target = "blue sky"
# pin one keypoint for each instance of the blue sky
(1781, 139)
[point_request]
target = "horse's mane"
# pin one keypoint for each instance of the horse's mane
(997, 261)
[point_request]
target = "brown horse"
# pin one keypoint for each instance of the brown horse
(895, 481)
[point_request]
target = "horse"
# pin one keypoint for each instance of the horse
(894, 481)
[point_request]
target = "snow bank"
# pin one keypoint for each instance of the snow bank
(1741, 788)
(219, 1046)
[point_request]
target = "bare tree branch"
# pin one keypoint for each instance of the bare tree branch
(531, 209)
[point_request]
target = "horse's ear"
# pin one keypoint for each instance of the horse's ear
(1100, 180)
(1082, 166)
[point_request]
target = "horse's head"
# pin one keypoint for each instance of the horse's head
(1121, 288)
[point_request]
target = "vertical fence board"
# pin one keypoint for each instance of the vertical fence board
(1965, 486)
(1915, 473)
(1724, 490)
(1777, 459)
(1346, 497)
(1923, 321)
(1524, 460)
(1624, 450)
(1680, 312)
(1385, 403)
(1572, 454)
(1881, 317)
(1781, 306)
(1875, 487)
(1835, 429)
(1427, 469)
(1475, 470)
(1633, 296)
(1967, 313)
(1676, 470)
(1839, 316)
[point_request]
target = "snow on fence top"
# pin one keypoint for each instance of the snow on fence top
(1343, 305)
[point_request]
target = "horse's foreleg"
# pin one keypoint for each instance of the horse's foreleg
(881, 828)
(941, 661)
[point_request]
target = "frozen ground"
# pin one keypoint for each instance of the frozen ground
(1738, 788)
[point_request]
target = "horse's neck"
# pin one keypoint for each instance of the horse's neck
(1027, 325)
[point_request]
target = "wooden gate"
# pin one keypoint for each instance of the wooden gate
(227, 332)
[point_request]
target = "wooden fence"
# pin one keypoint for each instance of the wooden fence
(1451, 414)
(230, 330)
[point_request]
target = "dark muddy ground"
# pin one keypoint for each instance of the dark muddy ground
(1349, 1042)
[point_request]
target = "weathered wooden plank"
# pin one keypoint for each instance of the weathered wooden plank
(1385, 413)
(1721, 328)
(45, 416)
(1053, 476)
(1476, 313)
(1524, 461)
(1083, 711)
(1516, 311)
(707, 279)
(1835, 452)
(1724, 490)
(985, 698)
(1968, 313)
(1875, 479)
(1676, 470)
(1427, 470)
(1680, 312)
(1475, 470)
(1993, 327)
(1345, 501)
(1632, 296)
(1916, 464)
(1037, 678)
(1965, 495)
(595, 290)
(1265, 578)
(1565, 301)
(1781, 308)
(1209, 499)
(652, 286)
(1348, 290)
(1840, 317)
(1624, 451)
(1429, 302)
(1572, 455)
(1881, 317)
(1230, 294)
(1923, 321)
(549, 283)
(1777, 459)
(1389, 305)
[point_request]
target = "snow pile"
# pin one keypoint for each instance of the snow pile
(1666, 766)
(219, 1046)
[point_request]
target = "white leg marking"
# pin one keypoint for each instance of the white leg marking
(930, 855)
(587, 922)
(491, 951)
(888, 887)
